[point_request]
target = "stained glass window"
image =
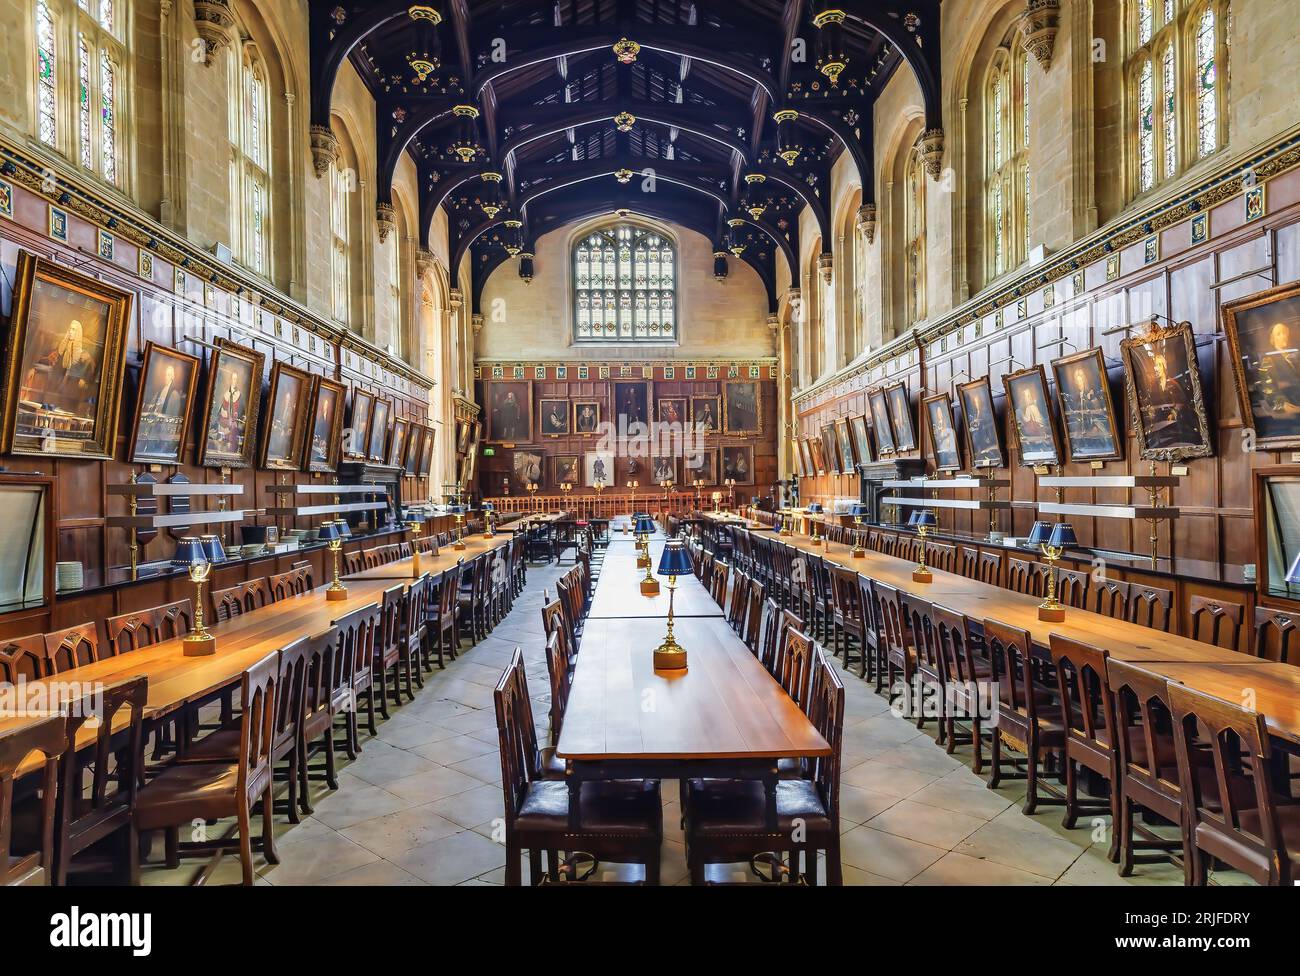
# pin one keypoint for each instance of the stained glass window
(85, 143)
(1146, 129)
(1146, 18)
(339, 222)
(47, 101)
(106, 14)
(1169, 83)
(624, 286)
(108, 119)
(250, 179)
(1007, 135)
(1169, 11)
(1207, 93)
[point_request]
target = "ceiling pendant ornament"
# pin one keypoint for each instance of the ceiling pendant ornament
(423, 67)
(465, 145)
(422, 11)
(491, 199)
(625, 51)
(735, 245)
(512, 235)
(1038, 26)
(719, 265)
(624, 121)
(787, 145)
(832, 56)
(752, 202)
(623, 175)
(526, 266)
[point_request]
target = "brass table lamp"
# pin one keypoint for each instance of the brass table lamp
(673, 562)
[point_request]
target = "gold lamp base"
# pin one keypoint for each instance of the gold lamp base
(337, 591)
(1052, 613)
(814, 541)
(858, 553)
(642, 562)
(650, 587)
(921, 575)
(199, 645)
(460, 545)
(670, 656)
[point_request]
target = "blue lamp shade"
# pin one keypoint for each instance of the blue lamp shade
(857, 510)
(213, 549)
(458, 510)
(645, 525)
(489, 507)
(924, 517)
(815, 508)
(1040, 533)
(189, 552)
(675, 560)
(345, 529)
(1293, 574)
(1062, 536)
(911, 517)
(329, 532)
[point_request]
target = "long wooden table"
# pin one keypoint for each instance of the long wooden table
(618, 594)
(446, 558)
(1268, 687)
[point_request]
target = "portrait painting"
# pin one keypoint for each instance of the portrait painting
(1162, 382)
(701, 467)
(468, 464)
(943, 432)
(632, 402)
(663, 468)
(706, 414)
(1087, 410)
(738, 463)
(800, 467)
(378, 438)
(414, 445)
(162, 407)
(1264, 338)
(880, 422)
(980, 420)
(742, 408)
(565, 470)
(397, 442)
(526, 468)
(554, 417)
(462, 436)
(325, 439)
(286, 418)
(672, 410)
(586, 416)
(805, 451)
(63, 357)
(1031, 414)
(426, 455)
(598, 468)
(848, 457)
(831, 448)
(231, 406)
(818, 454)
(356, 438)
(509, 411)
(900, 414)
(861, 439)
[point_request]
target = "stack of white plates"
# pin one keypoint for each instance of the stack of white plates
(68, 576)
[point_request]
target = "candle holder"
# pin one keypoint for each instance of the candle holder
(198, 643)
(697, 484)
(673, 562)
(815, 510)
(857, 510)
(632, 486)
(329, 532)
(922, 520)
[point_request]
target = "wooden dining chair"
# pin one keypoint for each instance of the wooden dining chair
(1214, 621)
(71, 647)
(1072, 588)
(29, 860)
(794, 672)
(186, 792)
(1150, 606)
(1233, 815)
(415, 605)
(1110, 598)
(966, 676)
(718, 585)
(22, 659)
(1087, 709)
(559, 670)
(728, 821)
(1274, 632)
(754, 615)
(848, 622)
(941, 556)
(615, 820)
(737, 601)
(1148, 769)
(293, 582)
(900, 656)
(353, 562)
(444, 629)
(387, 649)
(359, 630)
(1027, 715)
(234, 601)
(324, 694)
(968, 560)
(1022, 576)
(919, 615)
(990, 568)
(872, 664)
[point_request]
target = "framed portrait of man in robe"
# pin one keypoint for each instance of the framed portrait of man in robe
(1162, 381)
(1031, 415)
(231, 406)
(1087, 412)
(168, 379)
(286, 418)
(325, 438)
(1264, 336)
(509, 411)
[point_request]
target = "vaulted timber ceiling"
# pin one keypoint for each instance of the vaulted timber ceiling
(674, 109)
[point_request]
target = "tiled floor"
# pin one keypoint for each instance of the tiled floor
(421, 804)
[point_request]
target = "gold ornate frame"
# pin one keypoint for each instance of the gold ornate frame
(944, 400)
(831, 448)
(983, 382)
(899, 446)
(363, 437)
(488, 387)
(1182, 330)
(257, 361)
(294, 461)
(1033, 372)
(861, 428)
(1230, 312)
(758, 407)
(151, 349)
(1058, 365)
(881, 449)
(380, 428)
(395, 447)
(335, 448)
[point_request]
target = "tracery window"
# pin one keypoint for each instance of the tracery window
(624, 286)
(250, 154)
(1006, 138)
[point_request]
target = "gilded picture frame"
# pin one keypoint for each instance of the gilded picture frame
(980, 423)
(324, 446)
(1167, 402)
(284, 433)
(1263, 333)
(831, 448)
(941, 424)
(880, 422)
(356, 436)
(900, 415)
(1029, 402)
(1083, 394)
(742, 407)
(164, 404)
(228, 437)
(377, 441)
(397, 442)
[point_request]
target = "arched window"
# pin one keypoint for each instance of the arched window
(914, 241)
(340, 231)
(90, 96)
(814, 313)
(624, 286)
(1006, 138)
(250, 161)
(1207, 81)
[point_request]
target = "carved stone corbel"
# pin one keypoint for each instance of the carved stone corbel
(424, 262)
(826, 265)
(931, 149)
(867, 222)
(455, 298)
(215, 23)
(386, 218)
(324, 149)
(1038, 26)
(476, 322)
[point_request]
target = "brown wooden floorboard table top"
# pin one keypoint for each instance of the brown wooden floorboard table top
(1265, 686)
(723, 706)
(618, 593)
(446, 559)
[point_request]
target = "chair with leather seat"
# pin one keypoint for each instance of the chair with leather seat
(754, 615)
(616, 820)
(183, 793)
(233, 601)
(30, 860)
(1241, 820)
(294, 582)
(795, 666)
(359, 630)
(22, 658)
(965, 675)
(872, 666)
(387, 655)
(1087, 710)
(72, 647)
(728, 820)
(1214, 621)
(1274, 632)
(444, 629)
(900, 656)
(1027, 716)
(324, 695)
(1148, 769)
(415, 603)
(929, 660)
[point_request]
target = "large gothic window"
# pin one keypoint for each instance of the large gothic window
(250, 161)
(1006, 159)
(624, 286)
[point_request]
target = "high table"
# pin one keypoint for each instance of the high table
(618, 594)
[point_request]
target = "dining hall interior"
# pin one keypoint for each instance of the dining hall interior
(650, 442)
